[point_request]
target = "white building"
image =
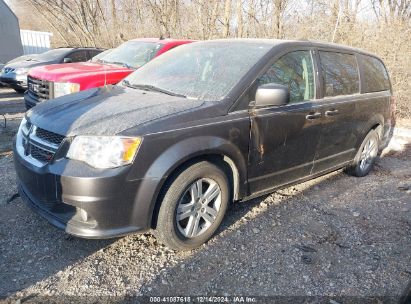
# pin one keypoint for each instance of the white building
(35, 42)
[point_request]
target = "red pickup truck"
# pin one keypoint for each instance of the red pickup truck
(109, 67)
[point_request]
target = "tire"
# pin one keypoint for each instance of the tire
(19, 90)
(366, 155)
(185, 219)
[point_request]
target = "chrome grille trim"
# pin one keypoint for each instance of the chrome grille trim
(42, 91)
(36, 150)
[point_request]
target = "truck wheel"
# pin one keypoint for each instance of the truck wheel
(366, 155)
(193, 207)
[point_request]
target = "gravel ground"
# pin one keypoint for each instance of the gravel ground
(335, 236)
(10, 101)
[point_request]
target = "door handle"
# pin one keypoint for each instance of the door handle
(332, 112)
(312, 116)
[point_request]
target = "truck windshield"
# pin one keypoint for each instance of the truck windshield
(202, 70)
(132, 54)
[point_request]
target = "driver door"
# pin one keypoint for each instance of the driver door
(284, 139)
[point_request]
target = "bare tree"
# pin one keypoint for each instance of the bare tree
(106, 23)
(279, 7)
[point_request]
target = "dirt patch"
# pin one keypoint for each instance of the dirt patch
(336, 236)
(7, 134)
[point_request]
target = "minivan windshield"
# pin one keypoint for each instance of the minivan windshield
(202, 70)
(132, 54)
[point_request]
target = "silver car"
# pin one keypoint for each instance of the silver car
(14, 73)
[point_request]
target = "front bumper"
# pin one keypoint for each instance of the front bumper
(29, 101)
(14, 81)
(84, 201)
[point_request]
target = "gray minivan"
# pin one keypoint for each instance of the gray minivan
(203, 125)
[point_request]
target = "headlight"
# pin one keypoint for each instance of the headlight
(22, 125)
(64, 88)
(21, 71)
(104, 151)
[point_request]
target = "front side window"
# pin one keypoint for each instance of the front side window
(294, 70)
(340, 74)
(375, 76)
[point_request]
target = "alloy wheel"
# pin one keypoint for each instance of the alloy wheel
(368, 154)
(198, 207)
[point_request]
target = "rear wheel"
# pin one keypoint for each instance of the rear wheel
(366, 155)
(193, 207)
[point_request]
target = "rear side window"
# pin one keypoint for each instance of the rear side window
(78, 56)
(294, 70)
(92, 53)
(340, 74)
(374, 74)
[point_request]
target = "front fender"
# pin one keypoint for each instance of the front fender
(175, 156)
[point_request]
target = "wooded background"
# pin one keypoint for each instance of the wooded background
(379, 26)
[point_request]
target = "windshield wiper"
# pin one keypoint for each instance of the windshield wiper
(120, 63)
(148, 87)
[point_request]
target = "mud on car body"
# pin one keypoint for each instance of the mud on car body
(201, 126)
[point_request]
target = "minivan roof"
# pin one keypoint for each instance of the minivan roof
(302, 42)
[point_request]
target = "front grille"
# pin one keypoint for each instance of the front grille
(40, 154)
(8, 70)
(49, 136)
(39, 144)
(38, 89)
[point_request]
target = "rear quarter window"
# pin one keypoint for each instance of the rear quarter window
(340, 74)
(374, 75)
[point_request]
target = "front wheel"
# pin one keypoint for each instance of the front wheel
(366, 155)
(193, 207)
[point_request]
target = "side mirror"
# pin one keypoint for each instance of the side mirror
(67, 60)
(272, 94)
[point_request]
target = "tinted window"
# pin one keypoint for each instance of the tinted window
(78, 56)
(340, 74)
(375, 76)
(97, 57)
(92, 53)
(294, 70)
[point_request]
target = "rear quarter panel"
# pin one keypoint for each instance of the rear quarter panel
(371, 110)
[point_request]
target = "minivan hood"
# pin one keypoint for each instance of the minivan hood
(70, 72)
(105, 111)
